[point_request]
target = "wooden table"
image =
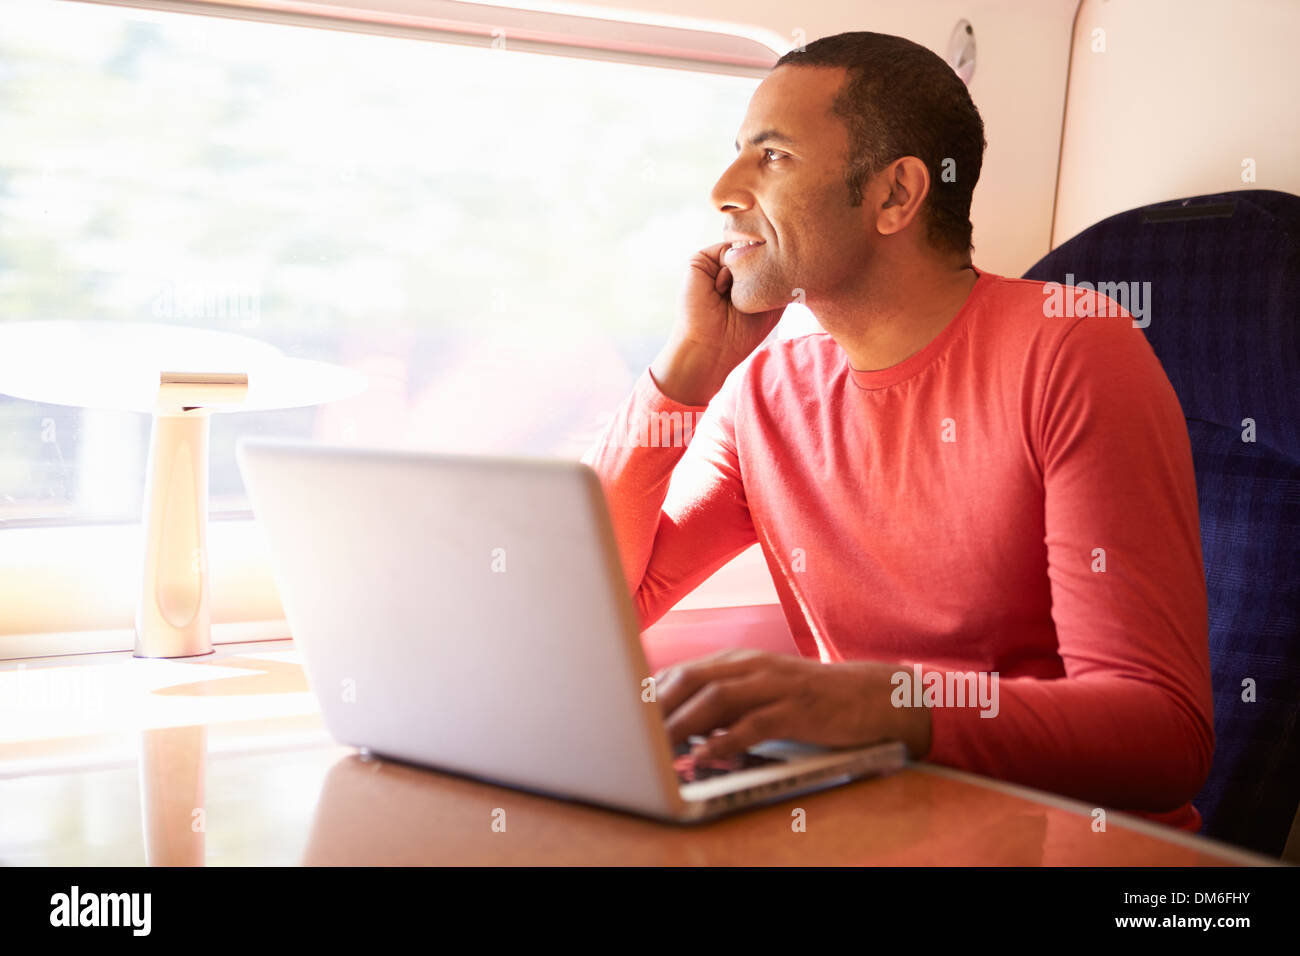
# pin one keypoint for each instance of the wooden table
(106, 760)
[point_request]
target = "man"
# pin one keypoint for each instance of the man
(952, 479)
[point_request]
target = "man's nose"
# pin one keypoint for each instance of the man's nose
(731, 192)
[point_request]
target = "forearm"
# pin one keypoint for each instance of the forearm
(1119, 741)
(672, 483)
(635, 471)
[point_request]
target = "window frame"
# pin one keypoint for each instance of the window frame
(619, 36)
(72, 588)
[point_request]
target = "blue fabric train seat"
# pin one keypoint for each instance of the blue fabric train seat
(1224, 319)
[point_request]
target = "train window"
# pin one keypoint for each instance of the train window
(494, 237)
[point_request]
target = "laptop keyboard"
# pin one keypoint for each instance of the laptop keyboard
(690, 770)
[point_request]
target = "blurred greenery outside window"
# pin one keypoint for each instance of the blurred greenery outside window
(495, 238)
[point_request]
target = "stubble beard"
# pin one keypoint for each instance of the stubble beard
(760, 289)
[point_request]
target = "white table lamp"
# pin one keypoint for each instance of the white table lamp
(180, 376)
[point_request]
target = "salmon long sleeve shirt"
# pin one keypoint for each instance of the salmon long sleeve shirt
(1017, 497)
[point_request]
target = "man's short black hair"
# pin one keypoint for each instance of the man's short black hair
(901, 99)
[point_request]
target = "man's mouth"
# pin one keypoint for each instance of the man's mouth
(739, 249)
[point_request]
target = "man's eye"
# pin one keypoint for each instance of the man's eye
(772, 155)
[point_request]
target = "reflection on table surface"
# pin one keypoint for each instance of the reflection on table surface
(191, 796)
(224, 761)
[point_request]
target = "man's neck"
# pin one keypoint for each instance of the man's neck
(896, 312)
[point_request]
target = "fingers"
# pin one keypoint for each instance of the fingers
(766, 723)
(674, 685)
(722, 280)
(722, 284)
(714, 251)
(709, 259)
(722, 702)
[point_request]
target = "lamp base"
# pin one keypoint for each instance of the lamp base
(174, 616)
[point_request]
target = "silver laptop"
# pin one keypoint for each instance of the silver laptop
(470, 614)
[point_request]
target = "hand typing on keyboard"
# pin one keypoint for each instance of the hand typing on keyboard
(691, 768)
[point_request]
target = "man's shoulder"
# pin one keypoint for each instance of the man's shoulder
(813, 355)
(810, 347)
(1030, 325)
(1057, 307)
(1078, 339)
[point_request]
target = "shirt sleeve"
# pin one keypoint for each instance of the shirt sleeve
(671, 477)
(1131, 722)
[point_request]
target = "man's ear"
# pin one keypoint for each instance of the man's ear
(899, 191)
